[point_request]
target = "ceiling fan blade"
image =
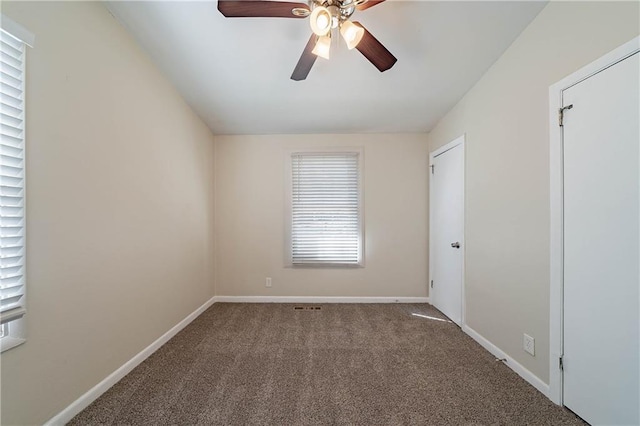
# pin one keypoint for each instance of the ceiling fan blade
(306, 61)
(368, 4)
(374, 51)
(259, 9)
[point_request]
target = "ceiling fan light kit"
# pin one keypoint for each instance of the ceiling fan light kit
(324, 15)
(323, 47)
(351, 33)
(320, 21)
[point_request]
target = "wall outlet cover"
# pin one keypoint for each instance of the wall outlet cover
(529, 344)
(268, 282)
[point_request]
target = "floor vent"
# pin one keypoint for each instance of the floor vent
(307, 308)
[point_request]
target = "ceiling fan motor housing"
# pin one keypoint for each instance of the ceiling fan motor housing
(340, 9)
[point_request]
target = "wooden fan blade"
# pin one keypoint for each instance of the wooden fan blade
(374, 51)
(306, 61)
(368, 4)
(259, 9)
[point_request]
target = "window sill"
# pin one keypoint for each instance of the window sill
(326, 265)
(9, 342)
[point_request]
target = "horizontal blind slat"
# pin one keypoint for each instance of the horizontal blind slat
(7, 89)
(10, 110)
(11, 70)
(9, 50)
(11, 64)
(15, 121)
(14, 132)
(11, 285)
(11, 41)
(7, 79)
(13, 141)
(8, 99)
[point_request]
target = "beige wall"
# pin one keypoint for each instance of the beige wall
(250, 218)
(505, 117)
(120, 208)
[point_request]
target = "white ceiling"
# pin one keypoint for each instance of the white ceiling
(234, 72)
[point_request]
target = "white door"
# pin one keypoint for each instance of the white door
(601, 239)
(446, 229)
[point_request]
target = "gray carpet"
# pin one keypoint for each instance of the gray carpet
(269, 364)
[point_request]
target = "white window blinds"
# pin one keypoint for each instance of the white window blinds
(12, 237)
(325, 208)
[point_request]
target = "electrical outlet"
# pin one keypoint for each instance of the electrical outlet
(529, 344)
(268, 282)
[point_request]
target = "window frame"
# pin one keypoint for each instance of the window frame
(288, 183)
(15, 329)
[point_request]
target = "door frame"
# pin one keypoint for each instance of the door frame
(460, 140)
(556, 290)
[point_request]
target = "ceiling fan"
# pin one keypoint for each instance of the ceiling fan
(324, 16)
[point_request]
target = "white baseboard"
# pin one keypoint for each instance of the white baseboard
(511, 363)
(318, 299)
(92, 394)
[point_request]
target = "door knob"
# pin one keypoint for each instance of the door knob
(455, 245)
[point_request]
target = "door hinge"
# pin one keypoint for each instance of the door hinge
(431, 283)
(561, 363)
(432, 168)
(561, 114)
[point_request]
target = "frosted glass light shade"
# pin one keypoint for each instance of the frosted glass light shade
(351, 33)
(323, 46)
(320, 21)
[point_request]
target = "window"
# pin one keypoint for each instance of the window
(12, 185)
(325, 214)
